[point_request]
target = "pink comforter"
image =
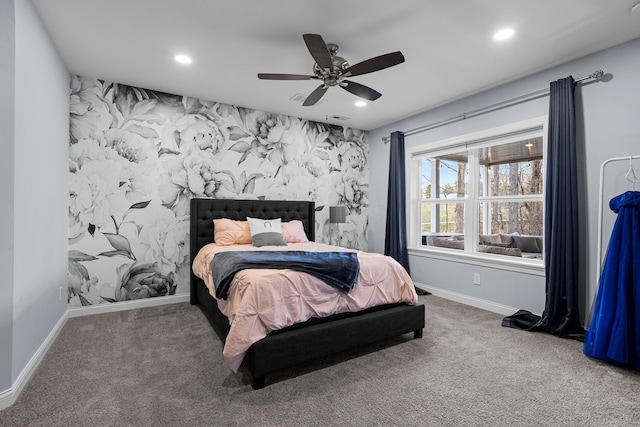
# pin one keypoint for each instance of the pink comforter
(264, 300)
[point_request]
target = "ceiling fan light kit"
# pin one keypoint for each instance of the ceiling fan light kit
(333, 70)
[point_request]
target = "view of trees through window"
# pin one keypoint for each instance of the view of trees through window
(515, 179)
(509, 190)
(451, 183)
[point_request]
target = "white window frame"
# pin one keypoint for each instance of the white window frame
(535, 127)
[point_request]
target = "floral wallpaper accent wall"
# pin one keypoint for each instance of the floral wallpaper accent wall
(137, 156)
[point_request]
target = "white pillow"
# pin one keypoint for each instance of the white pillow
(266, 232)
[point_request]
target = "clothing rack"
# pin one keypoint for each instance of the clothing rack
(596, 75)
(600, 203)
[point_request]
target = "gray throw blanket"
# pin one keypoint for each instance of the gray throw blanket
(338, 269)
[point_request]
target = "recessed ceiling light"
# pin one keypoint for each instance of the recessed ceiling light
(360, 103)
(183, 59)
(504, 34)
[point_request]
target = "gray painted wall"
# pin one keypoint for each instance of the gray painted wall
(7, 68)
(610, 128)
(40, 186)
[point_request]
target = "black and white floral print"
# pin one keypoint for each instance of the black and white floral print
(138, 156)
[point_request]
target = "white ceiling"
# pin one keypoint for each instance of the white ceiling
(447, 44)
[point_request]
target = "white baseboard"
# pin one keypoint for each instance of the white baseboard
(8, 397)
(127, 305)
(468, 300)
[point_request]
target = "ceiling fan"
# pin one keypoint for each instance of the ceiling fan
(333, 70)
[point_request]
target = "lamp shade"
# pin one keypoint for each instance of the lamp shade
(337, 214)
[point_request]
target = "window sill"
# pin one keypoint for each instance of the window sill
(521, 265)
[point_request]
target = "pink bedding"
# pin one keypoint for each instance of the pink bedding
(264, 300)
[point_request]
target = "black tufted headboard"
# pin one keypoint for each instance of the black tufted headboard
(204, 211)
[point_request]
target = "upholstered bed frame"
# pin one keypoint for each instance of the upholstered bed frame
(306, 341)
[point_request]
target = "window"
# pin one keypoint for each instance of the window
(480, 194)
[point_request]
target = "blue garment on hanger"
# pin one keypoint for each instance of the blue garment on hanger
(614, 331)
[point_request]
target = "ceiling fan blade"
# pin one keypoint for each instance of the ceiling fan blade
(360, 90)
(374, 64)
(319, 50)
(267, 76)
(315, 95)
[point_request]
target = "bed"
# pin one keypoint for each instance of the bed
(307, 340)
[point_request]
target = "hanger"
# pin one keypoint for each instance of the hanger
(631, 173)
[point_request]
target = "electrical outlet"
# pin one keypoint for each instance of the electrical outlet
(60, 294)
(476, 279)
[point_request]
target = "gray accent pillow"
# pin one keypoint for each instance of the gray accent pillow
(493, 238)
(266, 232)
(446, 243)
(508, 238)
(526, 243)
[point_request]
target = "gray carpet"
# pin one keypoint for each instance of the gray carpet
(162, 366)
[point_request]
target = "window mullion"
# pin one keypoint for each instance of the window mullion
(485, 205)
(435, 194)
(471, 210)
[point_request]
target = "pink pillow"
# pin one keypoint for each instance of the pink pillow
(229, 232)
(293, 232)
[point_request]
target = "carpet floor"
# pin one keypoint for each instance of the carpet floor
(162, 366)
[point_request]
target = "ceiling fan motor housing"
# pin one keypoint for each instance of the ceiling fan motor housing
(332, 77)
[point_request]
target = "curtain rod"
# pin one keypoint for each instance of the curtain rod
(597, 75)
